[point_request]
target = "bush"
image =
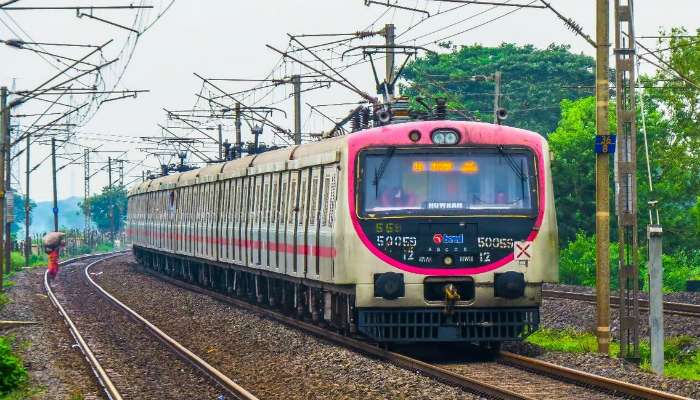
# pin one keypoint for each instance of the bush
(12, 372)
(577, 265)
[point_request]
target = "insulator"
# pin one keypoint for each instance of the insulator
(364, 117)
(440, 109)
(355, 122)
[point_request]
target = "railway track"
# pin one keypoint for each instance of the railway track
(580, 384)
(684, 309)
(116, 385)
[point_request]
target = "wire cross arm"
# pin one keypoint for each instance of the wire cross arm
(491, 3)
(388, 4)
(106, 21)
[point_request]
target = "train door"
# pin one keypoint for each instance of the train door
(292, 215)
(233, 209)
(184, 240)
(254, 224)
(326, 246)
(265, 221)
(245, 218)
(222, 217)
(301, 247)
(281, 243)
(238, 228)
(313, 223)
(273, 222)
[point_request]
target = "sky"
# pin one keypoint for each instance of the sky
(226, 39)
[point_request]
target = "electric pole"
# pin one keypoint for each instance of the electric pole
(221, 144)
(27, 207)
(497, 97)
(296, 83)
(4, 130)
(7, 191)
(626, 178)
(111, 201)
(121, 172)
(602, 164)
(239, 142)
(55, 188)
(9, 202)
(86, 195)
(389, 38)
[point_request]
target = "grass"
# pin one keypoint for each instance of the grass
(682, 353)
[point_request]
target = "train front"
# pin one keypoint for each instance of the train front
(457, 231)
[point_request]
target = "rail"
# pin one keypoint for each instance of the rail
(229, 385)
(684, 309)
(103, 379)
(436, 372)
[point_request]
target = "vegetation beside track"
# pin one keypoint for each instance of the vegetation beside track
(13, 376)
(682, 353)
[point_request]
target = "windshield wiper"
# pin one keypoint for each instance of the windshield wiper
(517, 169)
(378, 173)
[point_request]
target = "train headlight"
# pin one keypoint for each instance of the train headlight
(509, 285)
(448, 261)
(389, 285)
(445, 136)
(414, 136)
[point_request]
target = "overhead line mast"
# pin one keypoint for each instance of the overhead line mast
(626, 178)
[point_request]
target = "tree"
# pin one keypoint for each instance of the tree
(108, 209)
(18, 212)
(534, 81)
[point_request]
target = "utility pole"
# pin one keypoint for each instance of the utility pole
(602, 164)
(497, 97)
(296, 83)
(221, 144)
(7, 221)
(4, 130)
(27, 207)
(121, 172)
(55, 188)
(86, 194)
(239, 142)
(111, 202)
(389, 38)
(626, 179)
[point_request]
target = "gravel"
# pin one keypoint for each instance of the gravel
(140, 366)
(267, 358)
(56, 369)
(609, 367)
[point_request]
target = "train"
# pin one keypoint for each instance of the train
(422, 231)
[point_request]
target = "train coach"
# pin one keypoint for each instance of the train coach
(430, 231)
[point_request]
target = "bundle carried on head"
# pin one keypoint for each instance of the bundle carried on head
(53, 240)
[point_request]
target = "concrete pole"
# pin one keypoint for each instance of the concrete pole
(602, 163)
(27, 207)
(496, 97)
(7, 191)
(239, 143)
(86, 182)
(221, 145)
(296, 82)
(656, 311)
(55, 188)
(389, 39)
(4, 130)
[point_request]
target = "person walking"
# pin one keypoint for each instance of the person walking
(52, 244)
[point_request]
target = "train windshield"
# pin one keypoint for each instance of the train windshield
(447, 182)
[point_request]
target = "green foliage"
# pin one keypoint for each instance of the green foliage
(18, 212)
(12, 372)
(534, 81)
(107, 209)
(4, 300)
(682, 353)
(577, 265)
